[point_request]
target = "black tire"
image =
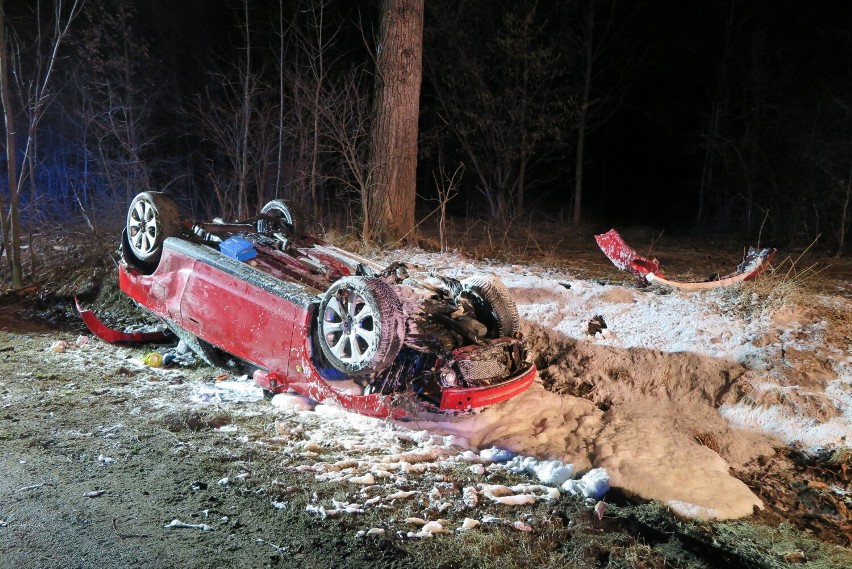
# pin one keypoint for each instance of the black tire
(285, 218)
(151, 218)
(361, 325)
(493, 305)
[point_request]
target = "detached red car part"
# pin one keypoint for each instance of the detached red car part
(318, 320)
(627, 259)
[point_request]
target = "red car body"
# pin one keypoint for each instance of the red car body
(262, 312)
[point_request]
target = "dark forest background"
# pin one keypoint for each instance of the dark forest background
(719, 116)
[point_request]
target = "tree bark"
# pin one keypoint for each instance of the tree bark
(582, 125)
(390, 213)
(11, 231)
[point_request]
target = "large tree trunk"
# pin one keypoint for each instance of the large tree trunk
(390, 211)
(12, 231)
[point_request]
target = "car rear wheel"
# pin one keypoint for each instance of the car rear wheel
(493, 304)
(284, 217)
(151, 218)
(361, 325)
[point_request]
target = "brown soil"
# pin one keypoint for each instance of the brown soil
(63, 504)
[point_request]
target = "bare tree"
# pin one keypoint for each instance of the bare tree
(596, 55)
(389, 212)
(237, 116)
(447, 187)
(505, 121)
(36, 94)
(347, 121)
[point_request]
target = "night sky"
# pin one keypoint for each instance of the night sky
(740, 108)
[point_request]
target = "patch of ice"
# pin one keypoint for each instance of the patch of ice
(552, 472)
(495, 454)
(292, 401)
(594, 484)
(231, 391)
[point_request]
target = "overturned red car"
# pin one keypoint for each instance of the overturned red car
(318, 320)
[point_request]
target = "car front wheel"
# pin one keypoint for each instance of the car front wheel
(361, 325)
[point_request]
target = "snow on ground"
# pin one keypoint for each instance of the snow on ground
(674, 367)
(678, 388)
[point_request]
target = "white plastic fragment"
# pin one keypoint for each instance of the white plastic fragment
(518, 495)
(345, 507)
(94, 494)
(367, 479)
(468, 524)
(176, 523)
(515, 500)
(402, 495)
(434, 527)
(470, 496)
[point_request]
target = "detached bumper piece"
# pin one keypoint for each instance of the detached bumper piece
(627, 259)
(113, 336)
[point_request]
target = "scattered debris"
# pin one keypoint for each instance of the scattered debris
(103, 459)
(371, 531)
(596, 325)
(34, 486)
(797, 556)
(367, 480)
(470, 496)
(519, 494)
(154, 359)
(59, 346)
(402, 495)
(176, 523)
(94, 494)
(468, 524)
